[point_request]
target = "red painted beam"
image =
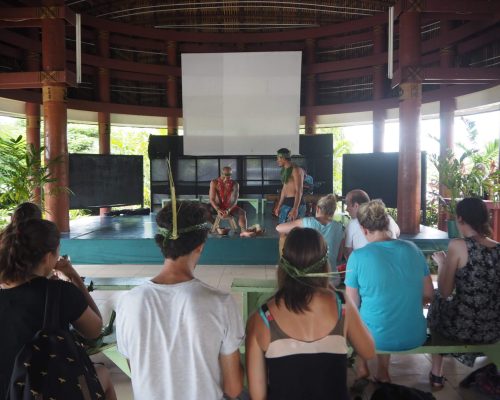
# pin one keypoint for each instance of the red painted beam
(38, 13)
(476, 42)
(353, 73)
(95, 106)
(462, 8)
(457, 75)
(457, 35)
(134, 76)
(297, 35)
(10, 51)
(354, 63)
(25, 43)
(333, 42)
(124, 108)
(129, 66)
(32, 80)
(28, 23)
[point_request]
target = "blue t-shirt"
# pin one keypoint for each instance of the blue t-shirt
(333, 233)
(389, 277)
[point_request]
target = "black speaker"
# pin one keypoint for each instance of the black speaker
(315, 145)
(162, 146)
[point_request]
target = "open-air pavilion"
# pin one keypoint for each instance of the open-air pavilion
(118, 62)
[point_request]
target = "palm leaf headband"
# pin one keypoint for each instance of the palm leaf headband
(309, 271)
(174, 233)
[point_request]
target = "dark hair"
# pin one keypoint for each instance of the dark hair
(358, 196)
(188, 214)
(23, 247)
(26, 211)
(473, 212)
(303, 247)
(285, 153)
(373, 216)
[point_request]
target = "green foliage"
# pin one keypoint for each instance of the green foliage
(474, 173)
(22, 171)
(83, 139)
(341, 146)
(4, 218)
(134, 141)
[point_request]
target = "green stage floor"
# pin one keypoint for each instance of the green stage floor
(129, 240)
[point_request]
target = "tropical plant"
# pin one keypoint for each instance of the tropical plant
(474, 173)
(22, 172)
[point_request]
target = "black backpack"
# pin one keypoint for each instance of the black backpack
(53, 366)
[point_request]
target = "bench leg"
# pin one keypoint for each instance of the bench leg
(118, 359)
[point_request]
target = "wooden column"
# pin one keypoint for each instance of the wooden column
(32, 111)
(33, 139)
(172, 100)
(55, 118)
(104, 117)
(379, 112)
(447, 108)
(310, 117)
(409, 123)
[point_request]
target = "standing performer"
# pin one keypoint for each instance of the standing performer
(291, 205)
(224, 193)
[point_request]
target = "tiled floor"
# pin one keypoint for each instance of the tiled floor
(410, 370)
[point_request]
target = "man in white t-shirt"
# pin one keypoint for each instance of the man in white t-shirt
(181, 336)
(354, 236)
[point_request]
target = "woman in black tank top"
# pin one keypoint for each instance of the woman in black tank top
(296, 345)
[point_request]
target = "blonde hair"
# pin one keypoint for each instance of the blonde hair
(328, 204)
(373, 216)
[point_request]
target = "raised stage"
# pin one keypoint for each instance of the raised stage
(129, 240)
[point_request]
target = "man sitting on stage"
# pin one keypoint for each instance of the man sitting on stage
(291, 203)
(224, 193)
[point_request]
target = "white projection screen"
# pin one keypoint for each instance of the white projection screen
(241, 103)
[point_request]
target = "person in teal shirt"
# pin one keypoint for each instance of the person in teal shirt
(332, 231)
(389, 280)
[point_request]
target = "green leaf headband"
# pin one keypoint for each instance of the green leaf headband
(174, 233)
(307, 272)
(169, 234)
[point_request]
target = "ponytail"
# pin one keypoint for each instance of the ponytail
(23, 247)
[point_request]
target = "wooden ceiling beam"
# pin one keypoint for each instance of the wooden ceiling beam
(34, 80)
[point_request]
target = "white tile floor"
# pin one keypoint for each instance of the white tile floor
(410, 370)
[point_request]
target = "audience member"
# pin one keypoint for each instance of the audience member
(181, 336)
(389, 281)
(332, 231)
(26, 211)
(296, 346)
(467, 303)
(29, 252)
(354, 237)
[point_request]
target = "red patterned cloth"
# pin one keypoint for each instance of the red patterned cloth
(224, 192)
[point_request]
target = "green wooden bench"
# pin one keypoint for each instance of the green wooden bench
(256, 291)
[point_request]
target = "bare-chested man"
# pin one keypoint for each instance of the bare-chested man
(291, 204)
(224, 193)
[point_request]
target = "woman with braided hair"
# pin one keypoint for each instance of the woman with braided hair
(389, 281)
(296, 343)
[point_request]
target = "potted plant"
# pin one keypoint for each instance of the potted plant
(466, 176)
